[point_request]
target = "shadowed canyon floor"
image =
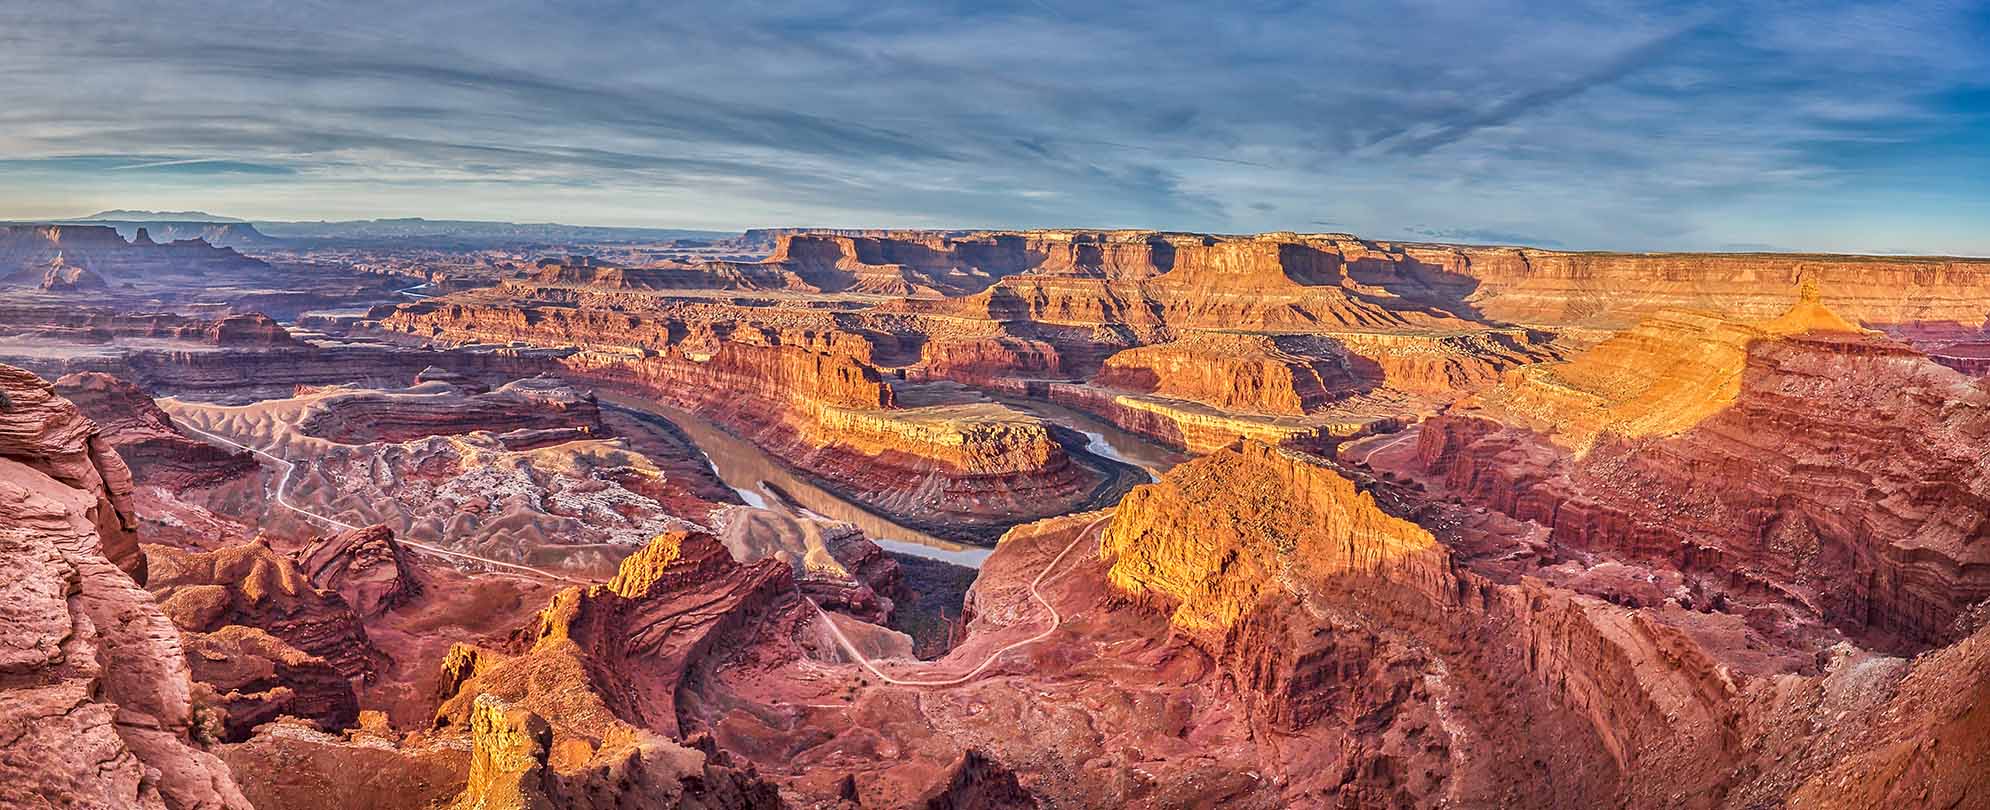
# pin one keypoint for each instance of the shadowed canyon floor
(1050, 519)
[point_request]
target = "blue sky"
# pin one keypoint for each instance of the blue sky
(1606, 125)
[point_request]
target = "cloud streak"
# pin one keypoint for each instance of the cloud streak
(1603, 123)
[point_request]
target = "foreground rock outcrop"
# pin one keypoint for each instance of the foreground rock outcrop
(96, 704)
(255, 586)
(1662, 699)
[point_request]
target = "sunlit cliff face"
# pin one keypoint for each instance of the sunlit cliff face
(989, 519)
(1660, 378)
(1217, 535)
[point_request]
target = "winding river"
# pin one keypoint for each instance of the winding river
(761, 481)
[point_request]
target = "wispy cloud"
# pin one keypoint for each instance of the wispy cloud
(1602, 123)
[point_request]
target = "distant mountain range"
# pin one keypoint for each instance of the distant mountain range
(444, 234)
(128, 215)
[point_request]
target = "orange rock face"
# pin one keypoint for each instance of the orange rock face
(605, 666)
(254, 586)
(1826, 463)
(1527, 285)
(1250, 373)
(1211, 539)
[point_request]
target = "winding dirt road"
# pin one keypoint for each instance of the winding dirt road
(1408, 434)
(1056, 621)
(843, 641)
(283, 500)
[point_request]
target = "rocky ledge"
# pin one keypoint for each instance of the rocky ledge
(95, 696)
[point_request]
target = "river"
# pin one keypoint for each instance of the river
(761, 481)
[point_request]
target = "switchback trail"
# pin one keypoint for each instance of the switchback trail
(1056, 621)
(843, 641)
(283, 500)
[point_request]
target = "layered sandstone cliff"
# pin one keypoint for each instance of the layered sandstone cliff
(1678, 700)
(96, 703)
(1207, 541)
(1658, 378)
(1235, 372)
(968, 470)
(604, 667)
(368, 567)
(28, 252)
(254, 586)
(1799, 456)
(1526, 285)
(146, 438)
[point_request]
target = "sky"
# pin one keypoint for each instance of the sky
(1824, 126)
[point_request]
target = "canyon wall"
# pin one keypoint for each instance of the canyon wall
(96, 702)
(1838, 471)
(28, 251)
(1526, 285)
(1311, 593)
(966, 471)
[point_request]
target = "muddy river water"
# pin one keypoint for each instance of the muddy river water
(761, 480)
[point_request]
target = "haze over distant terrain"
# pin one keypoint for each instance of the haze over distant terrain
(1814, 126)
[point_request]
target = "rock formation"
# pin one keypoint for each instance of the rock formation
(603, 668)
(1828, 465)
(254, 586)
(29, 252)
(50, 435)
(533, 410)
(146, 438)
(1249, 373)
(251, 677)
(96, 705)
(1469, 527)
(1204, 542)
(367, 567)
(964, 470)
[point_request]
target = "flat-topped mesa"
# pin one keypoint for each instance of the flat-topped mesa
(99, 325)
(1217, 535)
(1236, 372)
(526, 413)
(29, 252)
(1262, 263)
(1270, 281)
(773, 378)
(914, 263)
(979, 360)
(595, 320)
(250, 329)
